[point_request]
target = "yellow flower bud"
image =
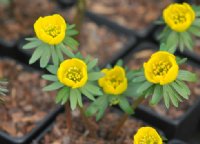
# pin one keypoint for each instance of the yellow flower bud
(73, 73)
(161, 68)
(50, 29)
(114, 81)
(179, 17)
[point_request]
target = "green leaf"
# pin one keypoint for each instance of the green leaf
(92, 64)
(93, 76)
(149, 91)
(50, 77)
(184, 86)
(144, 86)
(166, 96)
(32, 44)
(31, 39)
(53, 86)
(125, 106)
(181, 61)
(163, 47)
(93, 89)
(134, 73)
(172, 95)
(45, 57)
(67, 51)
(157, 94)
(79, 97)
(172, 41)
(131, 91)
(196, 22)
(139, 79)
(62, 95)
(194, 30)
(36, 55)
(119, 62)
(87, 93)
(180, 90)
(52, 69)
(181, 43)
(71, 26)
(186, 38)
(72, 32)
(59, 52)
(73, 98)
(187, 76)
(54, 56)
(164, 34)
(72, 43)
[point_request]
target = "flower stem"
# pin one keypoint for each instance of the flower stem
(123, 119)
(80, 13)
(88, 124)
(69, 116)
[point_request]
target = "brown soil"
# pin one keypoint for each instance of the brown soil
(17, 19)
(26, 103)
(136, 61)
(136, 14)
(79, 135)
(99, 42)
(197, 46)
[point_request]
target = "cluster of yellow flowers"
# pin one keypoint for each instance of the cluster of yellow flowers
(76, 75)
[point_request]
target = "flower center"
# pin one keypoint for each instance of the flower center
(179, 18)
(74, 74)
(52, 30)
(148, 139)
(115, 81)
(161, 68)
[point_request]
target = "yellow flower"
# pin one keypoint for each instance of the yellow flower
(147, 135)
(50, 29)
(179, 17)
(161, 68)
(114, 81)
(73, 73)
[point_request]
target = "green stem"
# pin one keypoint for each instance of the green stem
(69, 116)
(88, 124)
(80, 13)
(123, 119)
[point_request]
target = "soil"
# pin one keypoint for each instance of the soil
(17, 19)
(197, 47)
(138, 58)
(100, 42)
(79, 135)
(25, 104)
(122, 11)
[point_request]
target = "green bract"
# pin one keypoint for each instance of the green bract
(74, 95)
(44, 51)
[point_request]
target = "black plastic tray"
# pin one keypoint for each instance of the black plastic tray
(184, 126)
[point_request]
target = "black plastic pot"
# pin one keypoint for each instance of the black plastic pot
(183, 127)
(40, 126)
(175, 141)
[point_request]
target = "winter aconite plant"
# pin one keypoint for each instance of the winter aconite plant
(53, 35)
(182, 22)
(74, 77)
(161, 77)
(115, 85)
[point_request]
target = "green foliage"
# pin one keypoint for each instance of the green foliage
(171, 93)
(45, 52)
